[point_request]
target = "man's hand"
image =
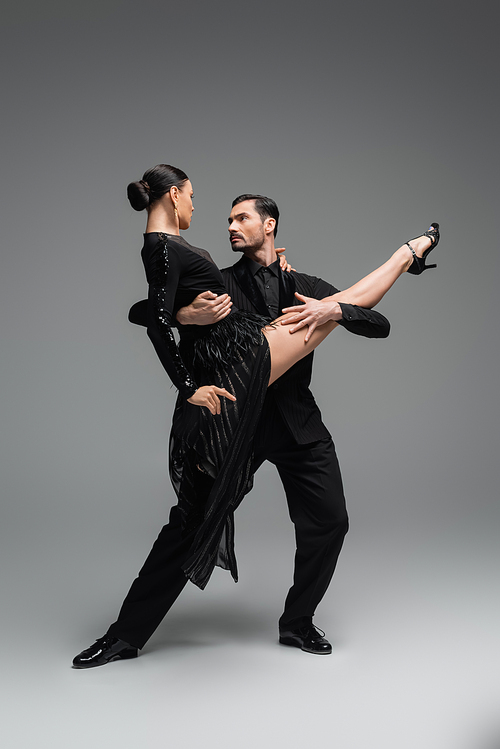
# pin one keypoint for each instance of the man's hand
(284, 264)
(206, 309)
(312, 313)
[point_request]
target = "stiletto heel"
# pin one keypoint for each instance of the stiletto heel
(418, 266)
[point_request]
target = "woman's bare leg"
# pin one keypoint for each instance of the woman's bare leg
(365, 293)
(369, 290)
(288, 349)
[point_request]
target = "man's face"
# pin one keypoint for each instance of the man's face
(246, 228)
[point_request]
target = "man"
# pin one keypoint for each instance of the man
(291, 435)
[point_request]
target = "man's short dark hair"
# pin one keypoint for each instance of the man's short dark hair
(265, 207)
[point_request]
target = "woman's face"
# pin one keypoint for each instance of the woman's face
(185, 205)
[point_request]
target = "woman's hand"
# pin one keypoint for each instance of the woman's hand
(208, 396)
(284, 264)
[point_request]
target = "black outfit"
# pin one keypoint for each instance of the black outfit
(290, 434)
(232, 354)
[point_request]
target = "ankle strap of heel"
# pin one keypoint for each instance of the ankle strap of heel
(412, 251)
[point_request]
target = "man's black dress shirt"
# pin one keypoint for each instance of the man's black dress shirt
(267, 280)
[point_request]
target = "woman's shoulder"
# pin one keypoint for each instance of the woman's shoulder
(158, 243)
(154, 240)
(168, 251)
(182, 243)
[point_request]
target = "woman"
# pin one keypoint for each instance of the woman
(221, 371)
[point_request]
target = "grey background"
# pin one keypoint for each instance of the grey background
(365, 121)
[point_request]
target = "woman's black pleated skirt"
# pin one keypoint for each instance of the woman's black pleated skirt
(211, 456)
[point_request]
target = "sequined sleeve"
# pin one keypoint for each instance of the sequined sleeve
(163, 279)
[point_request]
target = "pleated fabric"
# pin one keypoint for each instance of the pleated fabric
(234, 355)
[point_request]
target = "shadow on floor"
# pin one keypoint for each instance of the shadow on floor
(213, 625)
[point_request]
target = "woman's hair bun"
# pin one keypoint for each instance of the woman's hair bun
(155, 183)
(138, 195)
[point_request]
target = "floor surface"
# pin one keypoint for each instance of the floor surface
(415, 662)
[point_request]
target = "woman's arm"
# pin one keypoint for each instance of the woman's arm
(164, 279)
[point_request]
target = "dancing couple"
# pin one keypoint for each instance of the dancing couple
(242, 368)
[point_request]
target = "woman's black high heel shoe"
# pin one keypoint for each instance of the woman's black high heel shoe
(418, 266)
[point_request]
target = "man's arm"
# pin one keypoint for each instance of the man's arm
(354, 318)
(322, 302)
(365, 293)
(138, 313)
(205, 309)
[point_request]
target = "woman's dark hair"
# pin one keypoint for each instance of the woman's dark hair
(265, 207)
(153, 185)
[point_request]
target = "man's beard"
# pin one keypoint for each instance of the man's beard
(251, 245)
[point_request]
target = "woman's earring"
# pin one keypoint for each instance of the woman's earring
(175, 210)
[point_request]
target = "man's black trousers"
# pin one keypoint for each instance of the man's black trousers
(313, 485)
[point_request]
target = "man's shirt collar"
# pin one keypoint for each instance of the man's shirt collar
(254, 267)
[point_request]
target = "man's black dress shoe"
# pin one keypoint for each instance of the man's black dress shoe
(308, 638)
(104, 650)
